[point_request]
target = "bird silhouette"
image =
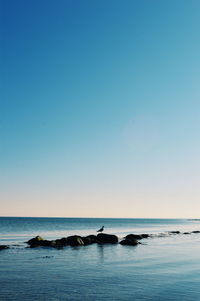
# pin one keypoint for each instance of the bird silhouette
(101, 230)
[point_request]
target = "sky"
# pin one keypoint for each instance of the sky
(100, 108)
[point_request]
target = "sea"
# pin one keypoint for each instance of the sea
(163, 267)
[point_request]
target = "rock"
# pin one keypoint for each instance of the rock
(3, 247)
(90, 239)
(196, 231)
(38, 241)
(145, 235)
(75, 241)
(129, 242)
(35, 242)
(137, 236)
(60, 243)
(174, 232)
(47, 243)
(107, 238)
(133, 236)
(186, 232)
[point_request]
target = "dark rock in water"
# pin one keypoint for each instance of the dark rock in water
(133, 236)
(196, 231)
(86, 241)
(47, 243)
(62, 242)
(38, 241)
(186, 232)
(107, 238)
(35, 242)
(58, 243)
(129, 242)
(90, 239)
(137, 236)
(3, 247)
(174, 232)
(145, 235)
(75, 241)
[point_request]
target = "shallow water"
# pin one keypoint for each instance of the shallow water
(161, 268)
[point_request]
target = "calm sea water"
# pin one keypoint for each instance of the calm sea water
(161, 268)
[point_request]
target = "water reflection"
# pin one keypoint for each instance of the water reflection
(101, 251)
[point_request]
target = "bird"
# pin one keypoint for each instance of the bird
(101, 230)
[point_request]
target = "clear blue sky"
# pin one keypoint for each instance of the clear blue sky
(100, 108)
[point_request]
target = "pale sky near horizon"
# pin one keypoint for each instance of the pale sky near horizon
(100, 108)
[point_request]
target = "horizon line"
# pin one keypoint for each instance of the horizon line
(87, 217)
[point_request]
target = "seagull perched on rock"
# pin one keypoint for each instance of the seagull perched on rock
(101, 230)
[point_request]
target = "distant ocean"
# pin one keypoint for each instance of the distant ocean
(161, 268)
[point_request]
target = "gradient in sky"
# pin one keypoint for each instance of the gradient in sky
(100, 110)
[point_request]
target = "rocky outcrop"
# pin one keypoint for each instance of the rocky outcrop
(107, 238)
(58, 243)
(76, 240)
(101, 238)
(73, 241)
(38, 241)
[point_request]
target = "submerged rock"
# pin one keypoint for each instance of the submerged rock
(3, 247)
(107, 238)
(162, 234)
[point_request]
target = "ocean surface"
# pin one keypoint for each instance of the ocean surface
(163, 267)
